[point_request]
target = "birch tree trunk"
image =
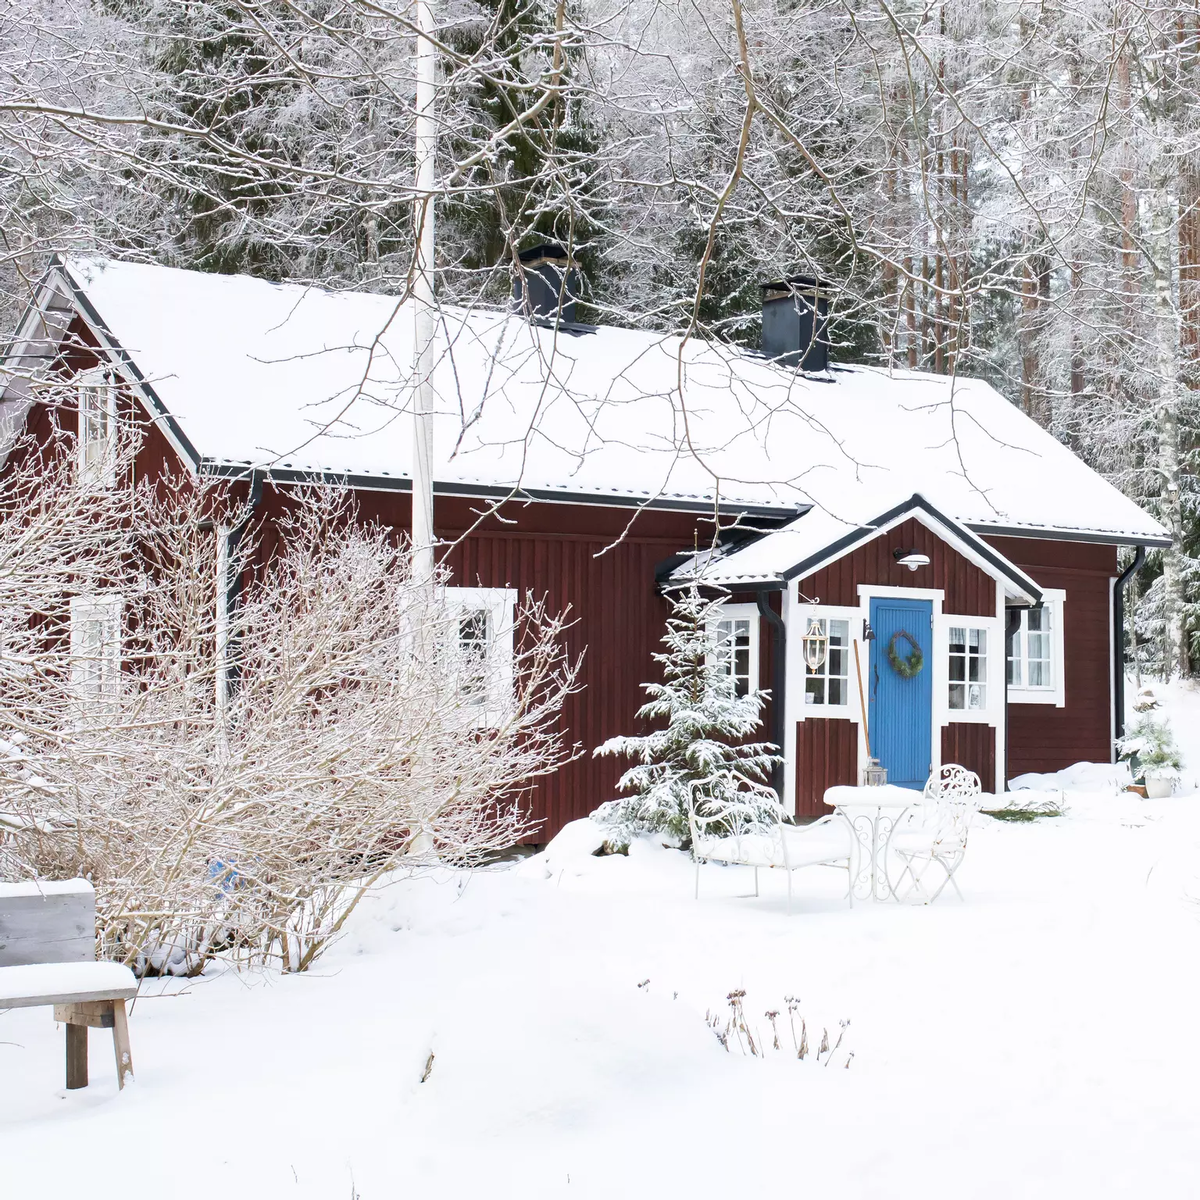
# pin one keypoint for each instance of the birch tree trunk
(1170, 385)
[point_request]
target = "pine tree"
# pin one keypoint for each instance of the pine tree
(538, 182)
(1150, 747)
(700, 756)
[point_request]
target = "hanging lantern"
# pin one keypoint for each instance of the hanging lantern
(816, 646)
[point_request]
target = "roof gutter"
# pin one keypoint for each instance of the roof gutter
(771, 515)
(1089, 537)
(1118, 635)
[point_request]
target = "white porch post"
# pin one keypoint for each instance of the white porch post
(1000, 688)
(792, 695)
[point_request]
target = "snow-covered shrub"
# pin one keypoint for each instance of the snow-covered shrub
(699, 754)
(242, 777)
(1150, 748)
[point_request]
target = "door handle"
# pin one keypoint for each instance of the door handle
(875, 683)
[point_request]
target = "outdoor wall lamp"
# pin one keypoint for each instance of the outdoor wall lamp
(912, 559)
(868, 632)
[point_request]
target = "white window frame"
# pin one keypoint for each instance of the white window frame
(854, 621)
(1054, 600)
(739, 612)
(499, 604)
(989, 684)
(96, 390)
(96, 649)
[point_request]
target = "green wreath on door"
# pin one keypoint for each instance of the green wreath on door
(906, 666)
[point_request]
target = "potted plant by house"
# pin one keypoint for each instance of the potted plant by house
(1153, 757)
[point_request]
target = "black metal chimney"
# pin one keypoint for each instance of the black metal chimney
(547, 284)
(795, 322)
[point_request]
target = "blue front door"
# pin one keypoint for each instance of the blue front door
(901, 710)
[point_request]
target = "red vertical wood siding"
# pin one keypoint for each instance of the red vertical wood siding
(970, 592)
(559, 551)
(577, 559)
(826, 755)
(1042, 737)
(974, 747)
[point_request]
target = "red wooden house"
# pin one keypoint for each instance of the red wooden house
(917, 519)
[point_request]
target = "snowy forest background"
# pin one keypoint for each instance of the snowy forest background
(994, 188)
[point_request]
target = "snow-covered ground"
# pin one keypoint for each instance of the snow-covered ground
(1038, 1040)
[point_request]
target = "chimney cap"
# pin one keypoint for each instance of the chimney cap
(796, 283)
(552, 252)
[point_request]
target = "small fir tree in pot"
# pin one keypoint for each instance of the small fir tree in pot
(699, 756)
(1152, 754)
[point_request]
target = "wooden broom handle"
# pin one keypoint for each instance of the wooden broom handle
(862, 704)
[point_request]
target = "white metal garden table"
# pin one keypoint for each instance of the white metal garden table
(872, 813)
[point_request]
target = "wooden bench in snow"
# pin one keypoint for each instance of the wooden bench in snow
(48, 956)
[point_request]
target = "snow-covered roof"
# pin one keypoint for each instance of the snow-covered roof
(280, 375)
(819, 538)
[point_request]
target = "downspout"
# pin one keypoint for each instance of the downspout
(1119, 639)
(234, 537)
(1010, 630)
(779, 680)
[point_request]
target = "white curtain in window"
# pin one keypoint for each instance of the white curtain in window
(96, 648)
(480, 649)
(968, 668)
(97, 430)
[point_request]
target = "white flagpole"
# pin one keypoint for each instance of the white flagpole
(423, 300)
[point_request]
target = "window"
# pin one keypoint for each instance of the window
(968, 668)
(829, 684)
(96, 649)
(481, 650)
(735, 638)
(97, 430)
(474, 634)
(1030, 663)
(1035, 659)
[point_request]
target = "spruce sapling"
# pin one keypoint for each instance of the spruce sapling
(699, 755)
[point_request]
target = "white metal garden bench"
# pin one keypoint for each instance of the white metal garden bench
(48, 956)
(938, 832)
(723, 836)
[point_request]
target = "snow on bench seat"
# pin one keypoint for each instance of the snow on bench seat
(805, 847)
(65, 983)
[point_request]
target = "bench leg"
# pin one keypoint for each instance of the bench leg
(121, 1043)
(77, 1038)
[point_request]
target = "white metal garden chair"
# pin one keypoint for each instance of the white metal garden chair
(938, 832)
(728, 833)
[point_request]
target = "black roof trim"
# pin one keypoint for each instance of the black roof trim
(915, 501)
(485, 491)
(664, 583)
(1067, 535)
